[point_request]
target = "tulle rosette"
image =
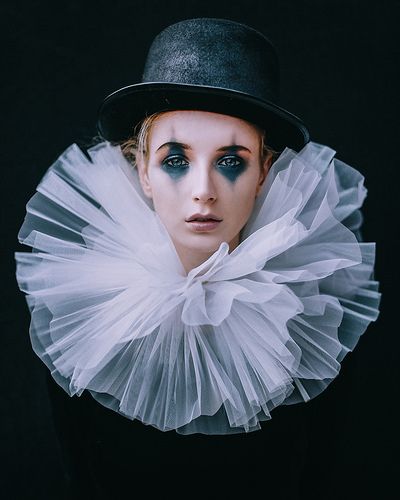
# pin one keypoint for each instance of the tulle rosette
(215, 350)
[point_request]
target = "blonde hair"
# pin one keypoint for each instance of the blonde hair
(136, 148)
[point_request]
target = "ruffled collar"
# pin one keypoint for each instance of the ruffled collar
(213, 351)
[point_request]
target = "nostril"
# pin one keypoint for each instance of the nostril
(205, 198)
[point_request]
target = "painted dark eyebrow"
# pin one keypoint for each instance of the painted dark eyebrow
(232, 148)
(179, 145)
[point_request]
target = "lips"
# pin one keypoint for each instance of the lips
(203, 223)
(203, 218)
(201, 226)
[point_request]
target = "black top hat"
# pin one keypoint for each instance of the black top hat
(211, 65)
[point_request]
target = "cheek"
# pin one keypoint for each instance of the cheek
(166, 194)
(245, 206)
(245, 194)
(245, 188)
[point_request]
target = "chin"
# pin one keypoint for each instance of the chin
(204, 243)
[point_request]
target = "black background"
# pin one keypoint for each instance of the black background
(339, 72)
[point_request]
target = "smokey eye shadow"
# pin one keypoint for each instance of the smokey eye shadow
(174, 172)
(175, 149)
(232, 173)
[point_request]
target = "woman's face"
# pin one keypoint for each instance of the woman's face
(202, 165)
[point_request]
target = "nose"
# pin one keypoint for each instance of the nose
(204, 189)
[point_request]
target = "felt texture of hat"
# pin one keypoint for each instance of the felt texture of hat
(206, 64)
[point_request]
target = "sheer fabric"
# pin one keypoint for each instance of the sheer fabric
(215, 350)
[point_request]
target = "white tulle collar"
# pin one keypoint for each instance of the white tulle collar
(213, 351)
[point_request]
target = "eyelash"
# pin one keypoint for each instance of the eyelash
(176, 157)
(172, 158)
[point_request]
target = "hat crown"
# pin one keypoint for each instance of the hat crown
(215, 53)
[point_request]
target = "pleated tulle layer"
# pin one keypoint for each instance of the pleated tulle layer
(213, 351)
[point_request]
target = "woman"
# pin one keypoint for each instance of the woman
(220, 279)
(203, 206)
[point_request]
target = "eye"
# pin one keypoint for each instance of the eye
(231, 161)
(175, 162)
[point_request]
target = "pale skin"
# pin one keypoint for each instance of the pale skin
(187, 172)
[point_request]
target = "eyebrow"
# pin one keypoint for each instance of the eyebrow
(181, 145)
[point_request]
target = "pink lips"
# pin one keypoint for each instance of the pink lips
(203, 216)
(200, 226)
(203, 222)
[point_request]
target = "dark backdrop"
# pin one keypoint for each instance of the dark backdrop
(339, 68)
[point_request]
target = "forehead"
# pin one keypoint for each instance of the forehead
(203, 128)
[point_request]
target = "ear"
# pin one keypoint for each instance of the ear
(144, 178)
(264, 172)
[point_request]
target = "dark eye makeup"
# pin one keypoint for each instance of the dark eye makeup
(231, 161)
(177, 161)
(231, 166)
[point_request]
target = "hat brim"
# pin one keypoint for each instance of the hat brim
(122, 110)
